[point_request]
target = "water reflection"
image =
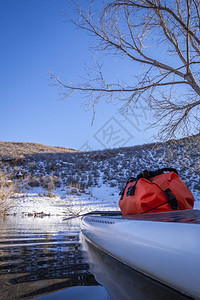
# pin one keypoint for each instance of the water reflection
(47, 259)
(121, 282)
(40, 256)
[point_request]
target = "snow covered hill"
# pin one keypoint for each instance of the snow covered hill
(96, 175)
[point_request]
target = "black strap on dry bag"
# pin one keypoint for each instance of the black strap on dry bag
(149, 174)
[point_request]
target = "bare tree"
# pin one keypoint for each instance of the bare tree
(162, 40)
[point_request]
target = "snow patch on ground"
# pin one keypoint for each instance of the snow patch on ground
(37, 202)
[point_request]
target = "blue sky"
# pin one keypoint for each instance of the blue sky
(35, 39)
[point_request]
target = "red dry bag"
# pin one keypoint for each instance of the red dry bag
(155, 191)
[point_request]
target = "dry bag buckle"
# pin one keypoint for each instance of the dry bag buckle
(171, 198)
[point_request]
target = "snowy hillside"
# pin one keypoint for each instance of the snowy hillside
(87, 174)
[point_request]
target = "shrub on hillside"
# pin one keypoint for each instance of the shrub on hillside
(56, 180)
(7, 189)
(34, 182)
(19, 160)
(50, 182)
(32, 165)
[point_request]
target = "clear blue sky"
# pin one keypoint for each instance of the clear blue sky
(35, 39)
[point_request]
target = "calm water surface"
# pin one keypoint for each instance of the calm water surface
(46, 258)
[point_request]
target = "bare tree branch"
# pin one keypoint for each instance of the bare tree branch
(162, 37)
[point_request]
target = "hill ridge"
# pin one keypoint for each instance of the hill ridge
(25, 148)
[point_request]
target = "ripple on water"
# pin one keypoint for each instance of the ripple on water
(40, 256)
(47, 258)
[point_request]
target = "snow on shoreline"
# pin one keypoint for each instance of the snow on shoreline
(36, 202)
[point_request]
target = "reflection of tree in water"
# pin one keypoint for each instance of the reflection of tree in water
(42, 264)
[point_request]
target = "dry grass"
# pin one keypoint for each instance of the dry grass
(7, 189)
(18, 149)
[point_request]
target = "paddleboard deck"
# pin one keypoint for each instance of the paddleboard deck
(164, 246)
(181, 216)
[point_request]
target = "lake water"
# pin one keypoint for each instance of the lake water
(48, 258)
